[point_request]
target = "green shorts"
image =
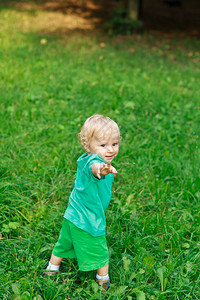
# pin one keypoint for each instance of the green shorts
(91, 252)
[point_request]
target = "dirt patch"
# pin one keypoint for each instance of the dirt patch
(63, 16)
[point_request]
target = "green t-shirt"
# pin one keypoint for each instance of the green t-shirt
(90, 197)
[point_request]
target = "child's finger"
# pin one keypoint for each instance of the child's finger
(108, 165)
(102, 165)
(99, 174)
(113, 170)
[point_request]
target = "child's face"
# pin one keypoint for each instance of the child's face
(106, 147)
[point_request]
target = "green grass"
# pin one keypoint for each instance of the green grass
(150, 86)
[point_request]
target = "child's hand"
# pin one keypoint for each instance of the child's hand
(102, 169)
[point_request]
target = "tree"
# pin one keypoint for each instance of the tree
(133, 8)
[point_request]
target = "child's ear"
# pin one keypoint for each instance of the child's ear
(87, 148)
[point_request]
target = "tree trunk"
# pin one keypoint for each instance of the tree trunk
(133, 8)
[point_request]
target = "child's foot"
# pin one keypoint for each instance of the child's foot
(50, 273)
(104, 283)
(51, 270)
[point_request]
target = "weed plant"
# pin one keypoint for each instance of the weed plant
(121, 23)
(49, 85)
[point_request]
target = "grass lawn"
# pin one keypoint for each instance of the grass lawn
(49, 85)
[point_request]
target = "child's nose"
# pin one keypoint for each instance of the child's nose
(110, 148)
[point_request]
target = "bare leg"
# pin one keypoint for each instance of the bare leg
(53, 270)
(56, 260)
(105, 281)
(103, 271)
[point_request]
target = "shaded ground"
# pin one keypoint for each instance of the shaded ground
(63, 16)
(169, 15)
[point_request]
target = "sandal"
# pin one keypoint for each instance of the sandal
(50, 273)
(104, 283)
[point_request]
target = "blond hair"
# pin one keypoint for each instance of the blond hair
(97, 126)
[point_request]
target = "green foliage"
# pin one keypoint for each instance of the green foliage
(24, 295)
(120, 23)
(49, 85)
(7, 228)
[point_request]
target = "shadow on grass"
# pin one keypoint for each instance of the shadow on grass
(84, 16)
(93, 13)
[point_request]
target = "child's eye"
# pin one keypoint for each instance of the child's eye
(103, 145)
(115, 144)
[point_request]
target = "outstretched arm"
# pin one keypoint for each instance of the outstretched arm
(101, 169)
